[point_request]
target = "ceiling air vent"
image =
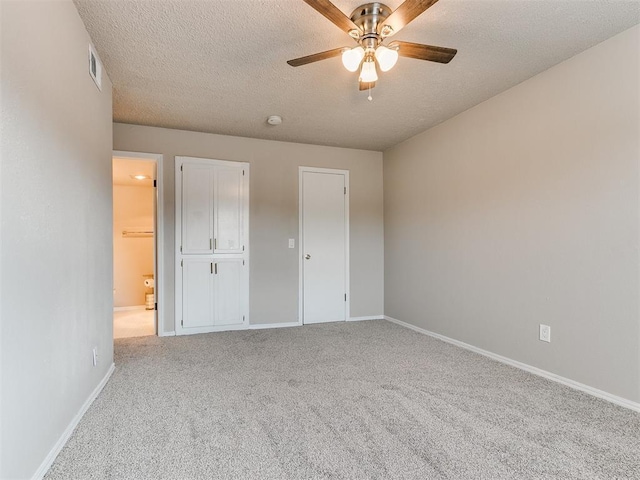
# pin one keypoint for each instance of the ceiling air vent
(95, 68)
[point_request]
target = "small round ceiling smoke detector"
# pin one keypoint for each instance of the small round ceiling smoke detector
(274, 120)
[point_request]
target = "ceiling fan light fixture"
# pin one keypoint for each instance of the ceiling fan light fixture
(351, 58)
(370, 25)
(386, 57)
(368, 73)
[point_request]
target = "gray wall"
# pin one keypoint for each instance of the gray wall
(56, 245)
(524, 210)
(274, 213)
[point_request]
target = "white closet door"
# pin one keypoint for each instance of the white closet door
(197, 292)
(212, 249)
(228, 292)
(197, 209)
(324, 244)
(229, 210)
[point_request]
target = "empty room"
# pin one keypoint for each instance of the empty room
(299, 239)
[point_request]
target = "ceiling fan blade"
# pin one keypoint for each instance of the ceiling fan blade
(366, 85)
(316, 57)
(334, 14)
(424, 52)
(404, 14)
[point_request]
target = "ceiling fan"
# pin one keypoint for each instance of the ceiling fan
(370, 25)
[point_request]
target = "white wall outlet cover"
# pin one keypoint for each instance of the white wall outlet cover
(292, 243)
(545, 333)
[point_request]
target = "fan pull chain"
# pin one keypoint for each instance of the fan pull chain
(369, 97)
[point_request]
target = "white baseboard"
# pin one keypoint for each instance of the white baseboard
(359, 319)
(259, 326)
(623, 402)
(167, 334)
(126, 309)
(50, 458)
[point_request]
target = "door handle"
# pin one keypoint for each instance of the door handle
(307, 256)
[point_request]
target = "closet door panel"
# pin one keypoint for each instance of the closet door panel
(229, 292)
(212, 249)
(197, 209)
(197, 293)
(229, 210)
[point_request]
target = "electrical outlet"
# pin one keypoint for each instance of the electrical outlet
(95, 356)
(545, 333)
(292, 243)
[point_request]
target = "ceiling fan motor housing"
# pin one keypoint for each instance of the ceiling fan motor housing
(368, 18)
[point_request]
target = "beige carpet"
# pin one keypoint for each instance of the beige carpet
(133, 323)
(346, 401)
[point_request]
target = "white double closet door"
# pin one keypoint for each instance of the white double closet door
(324, 241)
(212, 255)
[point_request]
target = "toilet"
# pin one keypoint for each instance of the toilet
(150, 301)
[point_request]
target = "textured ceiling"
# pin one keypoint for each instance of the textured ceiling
(220, 65)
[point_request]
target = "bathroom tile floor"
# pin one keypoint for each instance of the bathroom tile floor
(133, 323)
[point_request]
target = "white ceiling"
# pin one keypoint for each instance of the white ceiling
(220, 65)
(124, 168)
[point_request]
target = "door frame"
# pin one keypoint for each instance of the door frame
(301, 171)
(158, 233)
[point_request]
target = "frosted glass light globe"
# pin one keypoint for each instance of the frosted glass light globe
(351, 58)
(368, 73)
(386, 57)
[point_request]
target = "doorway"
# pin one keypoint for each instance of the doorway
(136, 243)
(324, 245)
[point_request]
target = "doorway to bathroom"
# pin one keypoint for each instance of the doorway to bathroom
(137, 239)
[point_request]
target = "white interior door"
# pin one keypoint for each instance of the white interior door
(228, 204)
(228, 289)
(324, 245)
(197, 209)
(212, 245)
(197, 293)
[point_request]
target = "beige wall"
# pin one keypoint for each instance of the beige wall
(524, 210)
(274, 213)
(56, 250)
(132, 256)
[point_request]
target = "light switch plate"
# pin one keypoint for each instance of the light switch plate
(292, 243)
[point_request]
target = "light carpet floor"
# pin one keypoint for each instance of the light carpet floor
(133, 323)
(347, 401)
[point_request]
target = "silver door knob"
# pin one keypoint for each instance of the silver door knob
(307, 256)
